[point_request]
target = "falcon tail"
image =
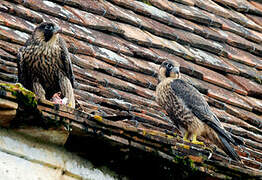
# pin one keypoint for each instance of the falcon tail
(238, 140)
(229, 149)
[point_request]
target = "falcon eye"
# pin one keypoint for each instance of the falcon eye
(169, 66)
(48, 27)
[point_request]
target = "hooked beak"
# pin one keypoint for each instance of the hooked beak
(175, 70)
(57, 30)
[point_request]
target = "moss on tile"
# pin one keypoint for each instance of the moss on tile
(186, 162)
(28, 103)
(24, 96)
(147, 2)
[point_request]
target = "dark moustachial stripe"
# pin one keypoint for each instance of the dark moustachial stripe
(167, 73)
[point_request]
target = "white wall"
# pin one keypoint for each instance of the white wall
(26, 158)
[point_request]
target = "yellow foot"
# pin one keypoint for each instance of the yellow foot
(99, 118)
(195, 141)
(185, 138)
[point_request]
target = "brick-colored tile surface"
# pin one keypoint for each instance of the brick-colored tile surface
(117, 46)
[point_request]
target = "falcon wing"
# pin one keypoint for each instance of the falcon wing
(66, 61)
(195, 102)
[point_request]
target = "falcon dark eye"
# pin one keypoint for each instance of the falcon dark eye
(169, 66)
(48, 27)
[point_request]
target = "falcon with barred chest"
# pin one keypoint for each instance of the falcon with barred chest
(189, 111)
(44, 64)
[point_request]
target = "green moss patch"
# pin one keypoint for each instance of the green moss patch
(24, 96)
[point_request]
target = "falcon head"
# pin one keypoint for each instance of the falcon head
(169, 69)
(46, 32)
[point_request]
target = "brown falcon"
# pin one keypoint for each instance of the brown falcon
(44, 64)
(189, 111)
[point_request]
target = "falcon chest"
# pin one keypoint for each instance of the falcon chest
(167, 99)
(43, 62)
(165, 96)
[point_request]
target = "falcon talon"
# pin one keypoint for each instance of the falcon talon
(210, 155)
(198, 143)
(195, 141)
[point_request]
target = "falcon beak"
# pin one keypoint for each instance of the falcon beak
(175, 70)
(175, 73)
(57, 30)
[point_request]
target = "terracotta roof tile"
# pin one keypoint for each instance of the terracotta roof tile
(230, 119)
(189, 12)
(119, 95)
(133, 34)
(242, 132)
(227, 14)
(186, 2)
(14, 36)
(255, 103)
(245, 21)
(240, 42)
(148, 39)
(176, 48)
(208, 32)
(9, 47)
(95, 7)
(231, 26)
(161, 29)
(145, 67)
(109, 81)
(94, 21)
(217, 79)
(143, 52)
(21, 11)
(78, 47)
(111, 57)
(180, 23)
(243, 56)
(16, 23)
(51, 8)
(153, 13)
(8, 63)
(247, 116)
(7, 67)
(211, 6)
(92, 36)
(256, 19)
(241, 6)
(253, 7)
(221, 94)
(117, 46)
(213, 61)
(253, 89)
(121, 14)
(227, 96)
(7, 77)
(121, 73)
(5, 55)
(247, 71)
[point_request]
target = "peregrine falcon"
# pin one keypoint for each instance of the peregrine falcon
(44, 64)
(189, 111)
